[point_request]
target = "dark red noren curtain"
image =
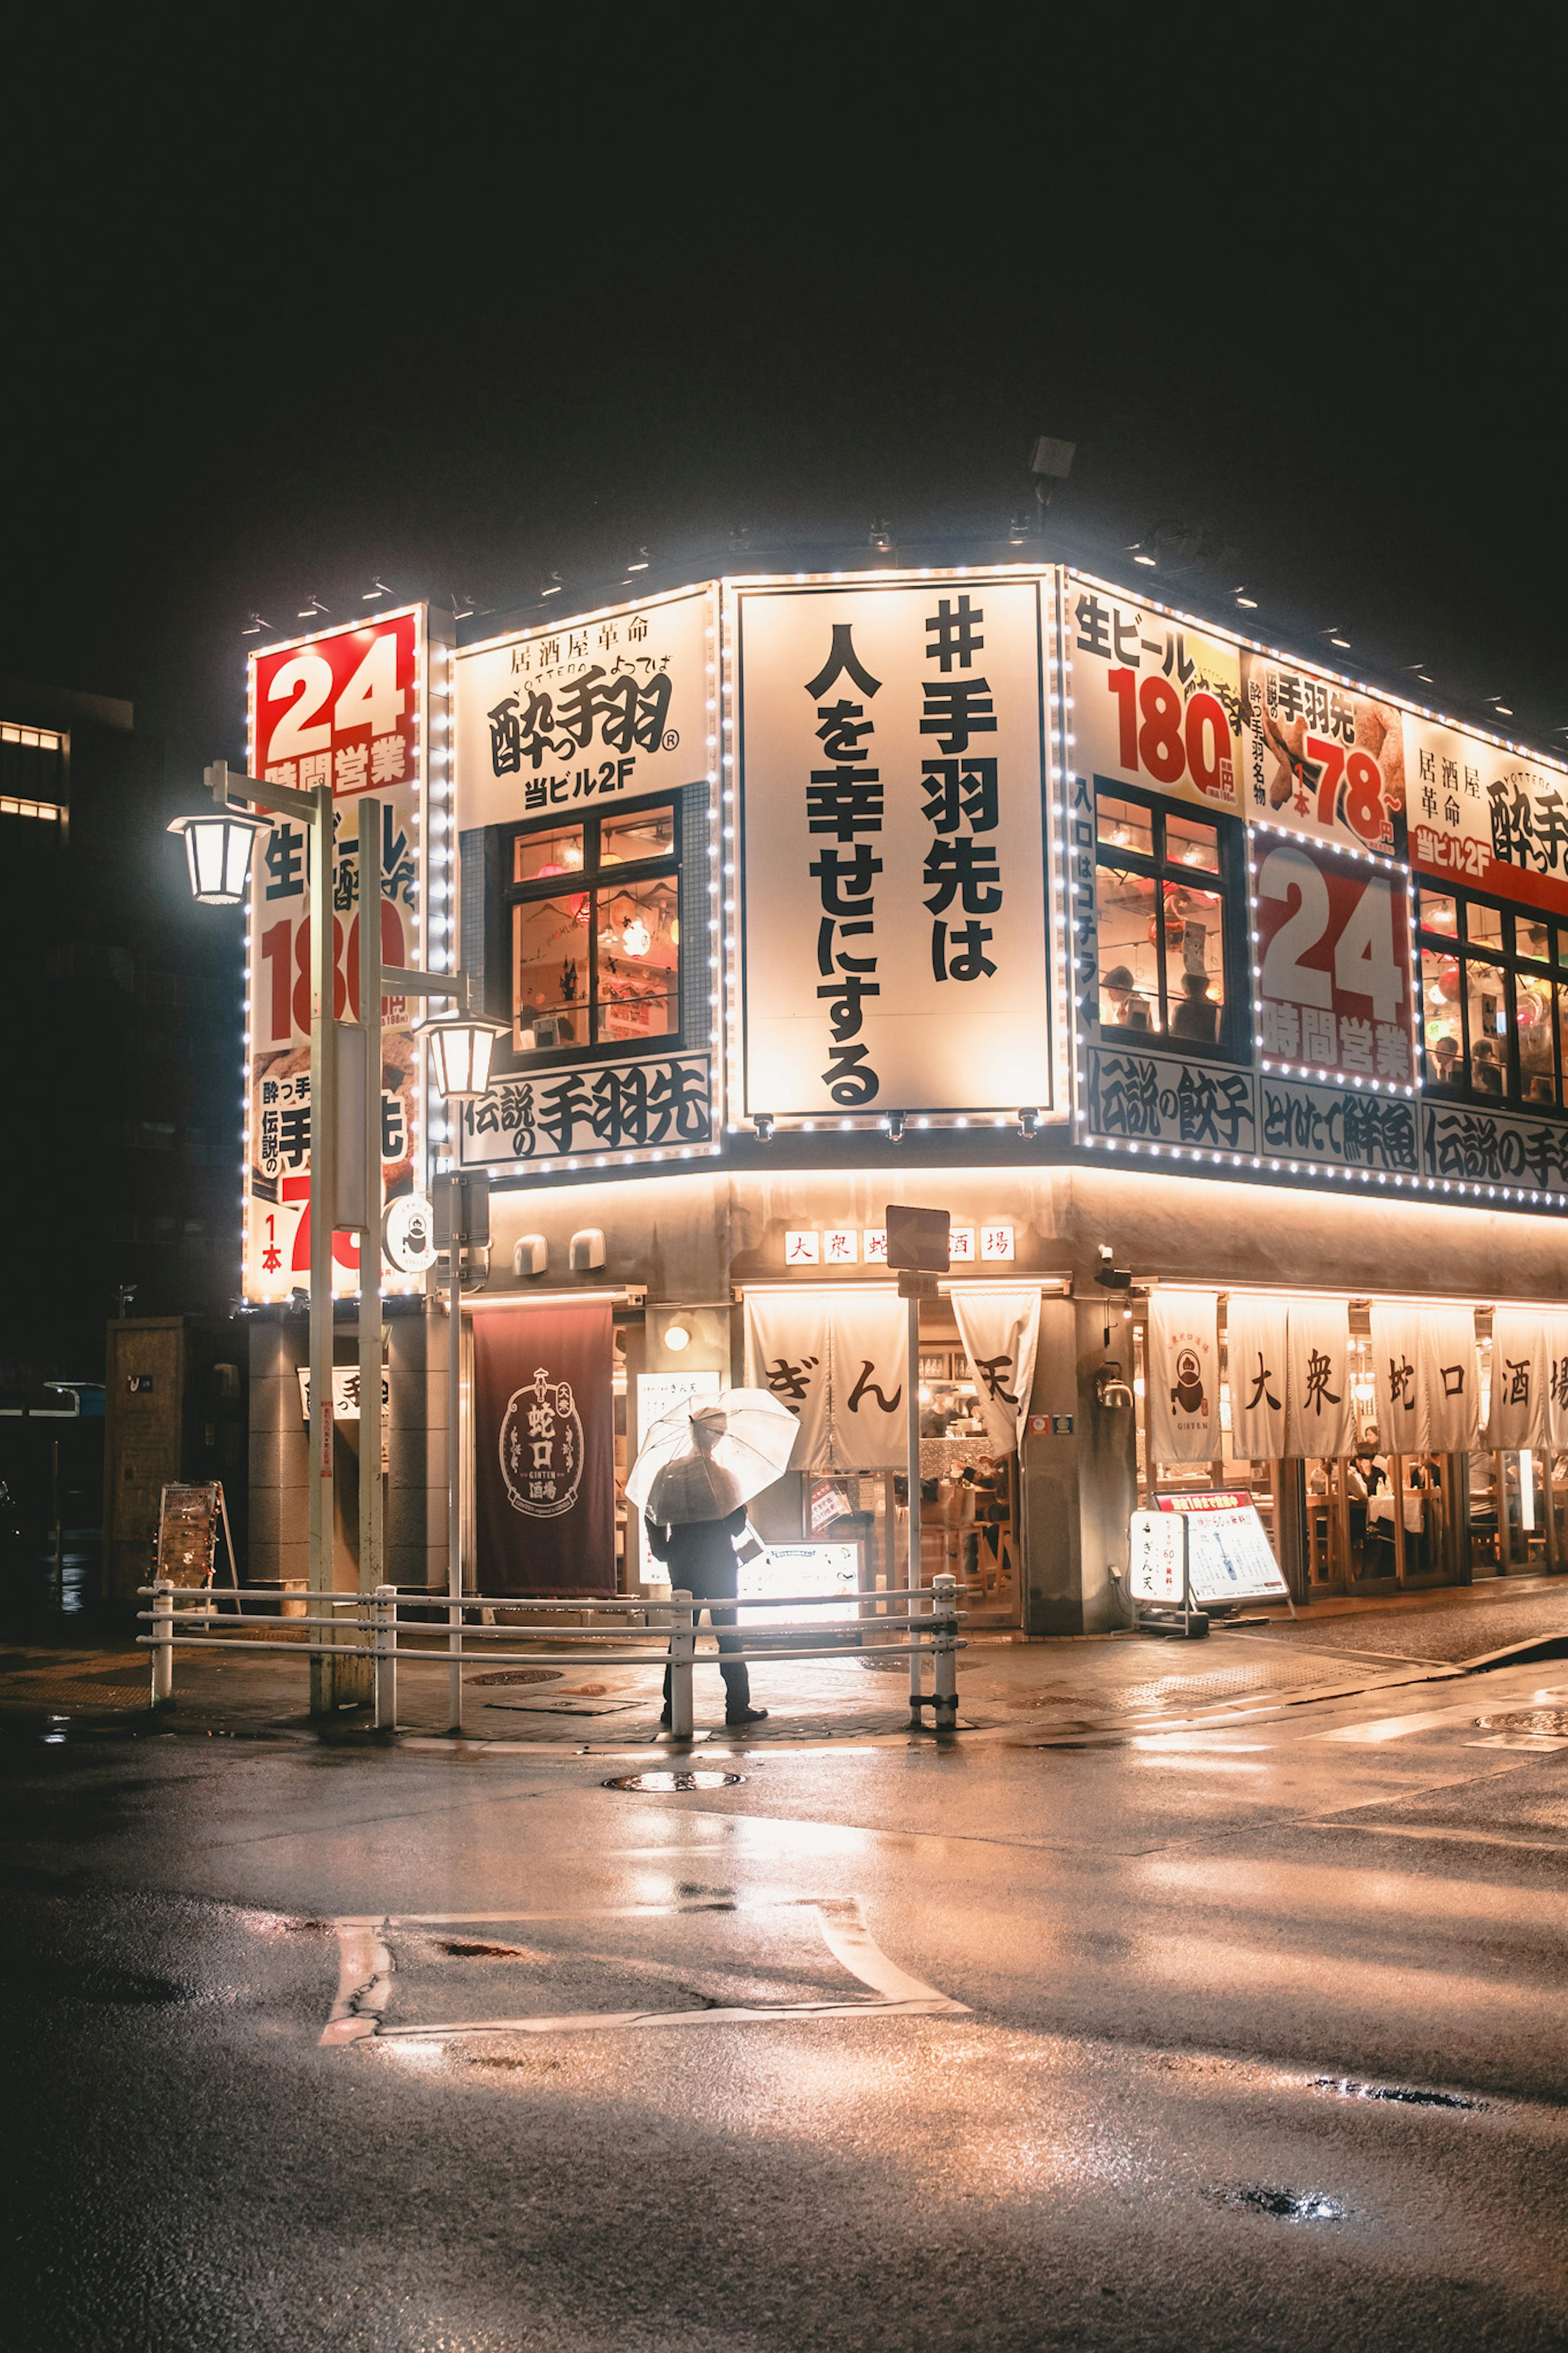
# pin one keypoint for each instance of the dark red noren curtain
(544, 1448)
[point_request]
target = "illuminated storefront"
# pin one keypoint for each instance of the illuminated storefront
(1010, 894)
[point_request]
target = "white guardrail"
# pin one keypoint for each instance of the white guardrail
(379, 1628)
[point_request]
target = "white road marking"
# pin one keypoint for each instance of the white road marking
(1539, 1741)
(1394, 1727)
(365, 1981)
(366, 1968)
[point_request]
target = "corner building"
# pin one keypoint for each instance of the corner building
(1014, 893)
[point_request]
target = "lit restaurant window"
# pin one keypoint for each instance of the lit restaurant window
(1160, 904)
(596, 931)
(1494, 1000)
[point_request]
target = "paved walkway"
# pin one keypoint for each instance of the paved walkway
(1029, 1690)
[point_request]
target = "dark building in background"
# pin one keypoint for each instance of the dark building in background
(117, 1185)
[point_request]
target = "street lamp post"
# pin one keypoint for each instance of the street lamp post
(345, 1140)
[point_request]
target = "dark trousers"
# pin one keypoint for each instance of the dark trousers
(712, 1583)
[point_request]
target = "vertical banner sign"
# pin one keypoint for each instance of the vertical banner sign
(1320, 758)
(896, 952)
(1154, 703)
(1335, 991)
(544, 1450)
(1255, 1347)
(1521, 1378)
(1482, 814)
(1183, 1378)
(1397, 1376)
(346, 708)
(1001, 1332)
(1450, 1381)
(839, 1360)
(1320, 1406)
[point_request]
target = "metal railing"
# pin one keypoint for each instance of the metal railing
(381, 1628)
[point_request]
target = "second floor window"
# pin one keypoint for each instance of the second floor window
(1160, 904)
(1494, 999)
(596, 931)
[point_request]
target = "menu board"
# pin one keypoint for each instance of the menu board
(1229, 1556)
(832, 1570)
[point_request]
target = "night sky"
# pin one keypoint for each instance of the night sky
(462, 310)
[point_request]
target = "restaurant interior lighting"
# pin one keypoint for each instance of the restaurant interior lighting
(461, 1045)
(217, 854)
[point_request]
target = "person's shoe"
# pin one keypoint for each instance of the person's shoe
(744, 1716)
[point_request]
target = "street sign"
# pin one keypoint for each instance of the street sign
(918, 1241)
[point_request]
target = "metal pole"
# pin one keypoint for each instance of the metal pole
(323, 1192)
(386, 1658)
(163, 1638)
(682, 1651)
(455, 1466)
(372, 1565)
(913, 1391)
(944, 1613)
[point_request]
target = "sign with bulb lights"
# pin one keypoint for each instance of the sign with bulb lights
(1154, 702)
(565, 730)
(1483, 814)
(1333, 984)
(896, 945)
(345, 706)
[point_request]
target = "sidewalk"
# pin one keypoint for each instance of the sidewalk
(1033, 1691)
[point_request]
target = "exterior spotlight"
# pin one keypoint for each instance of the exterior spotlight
(310, 607)
(1050, 463)
(550, 584)
(1028, 1123)
(461, 1046)
(1109, 1389)
(255, 627)
(896, 1123)
(378, 589)
(762, 1121)
(217, 854)
(641, 561)
(1018, 532)
(881, 536)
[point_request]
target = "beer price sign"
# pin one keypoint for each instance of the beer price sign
(346, 708)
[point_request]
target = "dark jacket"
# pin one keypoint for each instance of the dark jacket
(699, 1554)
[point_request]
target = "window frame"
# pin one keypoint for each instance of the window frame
(1234, 1042)
(1509, 965)
(508, 895)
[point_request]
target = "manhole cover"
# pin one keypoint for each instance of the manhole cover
(660, 1782)
(519, 1675)
(1547, 1720)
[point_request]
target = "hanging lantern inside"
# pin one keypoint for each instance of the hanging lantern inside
(461, 1047)
(217, 854)
(635, 937)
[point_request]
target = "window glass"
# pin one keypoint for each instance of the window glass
(1189, 843)
(1437, 913)
(1531, 940)
(643, 833)
(549, 973)
(558, 852)
(1126, 825)
(639, 939)
(1537, 1058)
(1483, 924)
(1560, 1072)
(1195, 963)
(1128, 964)
(1489, 1029)
(1440, 1007)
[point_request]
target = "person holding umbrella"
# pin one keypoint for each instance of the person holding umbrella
(696, 1471)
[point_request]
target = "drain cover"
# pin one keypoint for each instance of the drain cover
(660, 1782)
(520, 1675)
(1547, 1720)
(1288, 2205)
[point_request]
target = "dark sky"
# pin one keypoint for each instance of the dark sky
(462, 307)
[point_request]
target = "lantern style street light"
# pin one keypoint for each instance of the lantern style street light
(461, 1045)
(345, 1141)
(217, 854)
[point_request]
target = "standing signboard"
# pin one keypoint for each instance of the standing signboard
(346, 707)
(896, 948)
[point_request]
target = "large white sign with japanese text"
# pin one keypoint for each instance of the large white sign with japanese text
(896, 944)
(573, 714)
(348, 708)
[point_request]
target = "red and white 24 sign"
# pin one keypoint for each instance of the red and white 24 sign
(341, 710)
(1332, 948)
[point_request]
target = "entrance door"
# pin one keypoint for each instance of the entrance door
(969, 1515)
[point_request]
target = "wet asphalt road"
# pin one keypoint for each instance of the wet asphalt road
(1136, 2096)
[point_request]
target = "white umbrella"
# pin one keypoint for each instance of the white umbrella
(701, 1460)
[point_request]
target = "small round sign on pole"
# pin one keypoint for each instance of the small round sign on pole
(408, 1233)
